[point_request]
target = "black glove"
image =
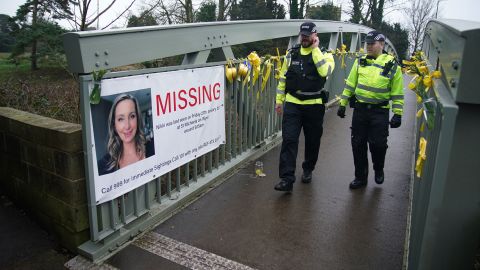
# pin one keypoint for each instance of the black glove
(341, 111)
(396, 121)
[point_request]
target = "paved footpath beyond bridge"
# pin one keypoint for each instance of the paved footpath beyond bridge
(243, 223)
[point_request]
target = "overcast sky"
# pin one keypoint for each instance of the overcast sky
(450, 9)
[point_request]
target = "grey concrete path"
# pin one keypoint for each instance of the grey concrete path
(24, 245)
(322, 225)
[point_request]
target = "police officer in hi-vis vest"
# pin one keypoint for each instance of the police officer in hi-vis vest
(375, 79)
(300, 97)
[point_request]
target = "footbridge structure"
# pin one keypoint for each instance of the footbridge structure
(216, 210)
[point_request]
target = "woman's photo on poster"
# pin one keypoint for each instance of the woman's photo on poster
(129, 135)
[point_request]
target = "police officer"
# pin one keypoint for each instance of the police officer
(375, 79)
(300, 97)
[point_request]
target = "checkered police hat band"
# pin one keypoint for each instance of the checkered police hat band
(379, 37)
(308, 28)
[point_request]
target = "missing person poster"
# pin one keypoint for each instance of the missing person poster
(148, 125)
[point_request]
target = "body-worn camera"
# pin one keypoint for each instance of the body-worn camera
(363, 62)
(386, 69)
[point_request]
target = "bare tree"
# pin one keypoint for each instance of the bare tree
(171, 11)
(187, 12)
(181, 11)
(161, 10)
(298, 8)
(371, 12)
(419, 13)
(84, 17)
(166, 13)
(304, 4)
(223, 9)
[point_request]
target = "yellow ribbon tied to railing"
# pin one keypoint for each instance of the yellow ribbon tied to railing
(421, 82)
(343, 52)
(422, 156)
(277, 60)
(419, 113)
(268, 69)
(255, 61)
(243, 72)
(230, 71)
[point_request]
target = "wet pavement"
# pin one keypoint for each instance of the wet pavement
(24, 245)
(321, 225)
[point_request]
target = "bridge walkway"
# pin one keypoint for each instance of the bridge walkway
(244, 223)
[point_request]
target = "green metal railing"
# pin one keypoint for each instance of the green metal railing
(252, 126)
(444, 225)
(251, 129)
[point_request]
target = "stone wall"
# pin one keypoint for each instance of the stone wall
(42, 170)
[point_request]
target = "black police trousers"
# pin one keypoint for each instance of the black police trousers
(296, 116)
(369, 125)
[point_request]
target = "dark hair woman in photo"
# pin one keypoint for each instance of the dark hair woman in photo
(126, 139)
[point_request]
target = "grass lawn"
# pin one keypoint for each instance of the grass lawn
(7, 66)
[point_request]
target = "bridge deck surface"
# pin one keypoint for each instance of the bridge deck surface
(321, 225)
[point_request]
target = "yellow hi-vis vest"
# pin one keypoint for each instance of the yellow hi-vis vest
(324, 63)
(370, 85)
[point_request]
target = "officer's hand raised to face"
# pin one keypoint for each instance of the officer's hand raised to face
(396, 121)
(315, 42)
(279, 108)
(341, 111)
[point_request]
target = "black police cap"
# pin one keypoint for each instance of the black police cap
(308, 28)
(374, 36)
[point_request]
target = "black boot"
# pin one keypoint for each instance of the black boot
(284, 186)
(307, 177)
(379, 177)
(358, 183)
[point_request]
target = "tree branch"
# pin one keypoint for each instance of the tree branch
(101, 13)
(131, 4)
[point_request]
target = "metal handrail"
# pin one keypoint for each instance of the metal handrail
(105, 49)
(252, 126)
